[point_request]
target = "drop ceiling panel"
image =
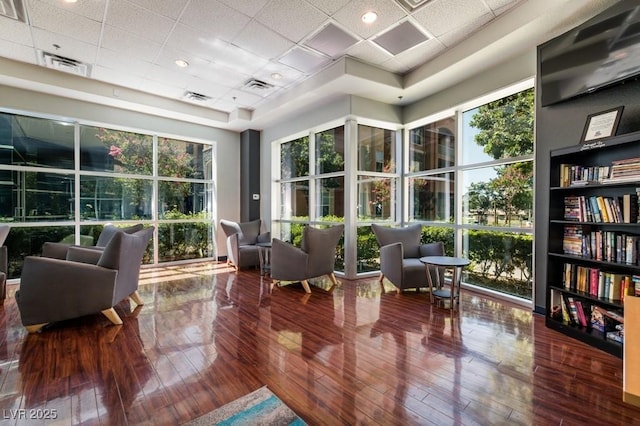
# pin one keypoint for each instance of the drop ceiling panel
(400, 38)
(61, 21)
(441, 16)
(459, 34)
(161, 89)
(170, 77)
(350, 16)
(369, 52)
(331, 40)
(294, 19)
(260, 40)
(14, 31)
(195, 42)
(423, 52)
(128, 44)
(93, 9)
(118, 61)
(69, 47)
(236, 59)
(288, 75)
(117, 77)
(171, 9)
(248, 7)
(139, 21)
(329, 7)
(214, 18)
(304, 60)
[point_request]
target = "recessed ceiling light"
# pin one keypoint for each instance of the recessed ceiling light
(182, 63)
(369, 17)
(276, 76)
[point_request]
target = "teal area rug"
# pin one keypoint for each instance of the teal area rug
(260, 407)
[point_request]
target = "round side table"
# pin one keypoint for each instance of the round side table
(448, 262)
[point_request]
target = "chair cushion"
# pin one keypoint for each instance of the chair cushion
(110, 230)
(409, 236)
(111, 255)
(247, 231)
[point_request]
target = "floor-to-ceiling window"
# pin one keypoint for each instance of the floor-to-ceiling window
(469, 179)
(311, 185)
(466, 174)
(63, 180)
(496, 175)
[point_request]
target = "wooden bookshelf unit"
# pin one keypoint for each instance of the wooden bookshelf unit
(594, 239)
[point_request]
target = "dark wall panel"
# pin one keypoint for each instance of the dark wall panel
(249, 175)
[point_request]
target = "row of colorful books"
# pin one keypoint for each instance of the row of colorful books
(601, 209)
(624, 170)
(575, 175)
(598, 283)
(582, 313)
(606, 246)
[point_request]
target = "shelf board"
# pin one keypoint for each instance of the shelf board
(601, 301)
(592, 337)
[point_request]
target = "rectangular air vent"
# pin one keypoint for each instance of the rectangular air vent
(196, 97)
(68, 65)
(13, 9)
(412, 5)
(257, 85)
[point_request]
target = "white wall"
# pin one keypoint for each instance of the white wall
(227, 142)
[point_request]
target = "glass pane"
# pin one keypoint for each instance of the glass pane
(116, 151)
(29, 141)
(376, 198)
(294, 200)
(36, 196)
(107, 198)
(433, 146)
(182, 241)
(368, 250)
(500, 261)
(499, 196)
(432, 198)
(376, 149)
(330, 192)
(183, 159)
(183, 200)
(28, 241)
(330, 151)
(499, 129)
(89, 235)
(294, 158)
(292, 232)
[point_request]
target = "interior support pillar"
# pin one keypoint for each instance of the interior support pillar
(249, 175)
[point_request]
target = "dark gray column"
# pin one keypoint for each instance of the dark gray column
(249, 175)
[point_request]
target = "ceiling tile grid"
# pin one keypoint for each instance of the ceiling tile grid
(135, 43)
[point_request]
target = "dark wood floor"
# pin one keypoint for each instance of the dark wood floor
(357, 355)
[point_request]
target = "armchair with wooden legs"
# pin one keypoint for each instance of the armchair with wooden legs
(316, 256)
(88, 281)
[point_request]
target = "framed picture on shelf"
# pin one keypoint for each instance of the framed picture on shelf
(601, 124)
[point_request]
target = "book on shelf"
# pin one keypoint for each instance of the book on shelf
(597, 320)
(616, 335)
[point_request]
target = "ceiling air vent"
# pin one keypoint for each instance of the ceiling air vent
(61, 63)
(196, 97)
(255, 84)
(412, 5)
(13, 9)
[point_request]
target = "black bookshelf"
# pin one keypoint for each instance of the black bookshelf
(561, 285)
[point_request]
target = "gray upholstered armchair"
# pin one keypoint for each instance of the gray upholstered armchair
(315, 258)
(86, 282)
(400, 253)
(59, 250)
(242, 238)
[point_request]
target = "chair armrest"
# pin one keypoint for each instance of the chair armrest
(288, 262)
(89, 255)
(265, 237)
(233, 249)
(55, 250)
(54, 289)
(391, 257)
